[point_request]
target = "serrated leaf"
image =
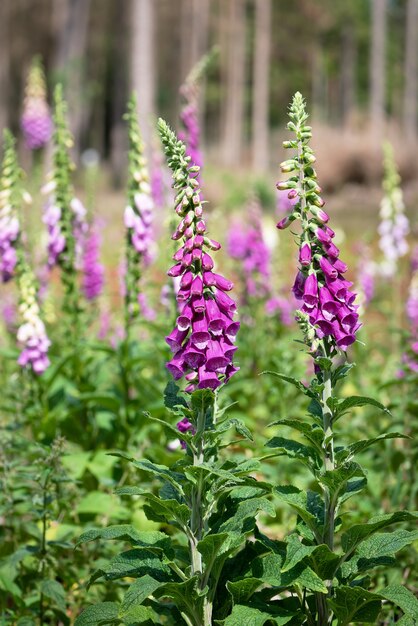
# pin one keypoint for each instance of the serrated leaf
(140, 590)
(246, 512)
(159, 510)
(358, 533)
(312, 432)
(239, 426)
(403, 598)
(353, 604)
(337, 479)
(186, 597)
(99, 614)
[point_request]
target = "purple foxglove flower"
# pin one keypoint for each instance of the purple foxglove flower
(36, 121)
(298, 286)
(305, 254)
(329, 271)
(205, 327)
(310, 291)
(93, 270)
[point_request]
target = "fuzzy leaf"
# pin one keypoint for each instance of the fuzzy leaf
(267, 569)
(239, 426)
(353, 604)
(251, 616)
(403, 598)
(293, 381)
(185, 596)
(308, 505)
(246, 512)
(358, 533)
(312, 432)
(131, 608)
(98, 614)
(134, 563)
(296, 552)
(242, 590)
(212, 545)
(304, 576)
(152, 539)
(159, 510)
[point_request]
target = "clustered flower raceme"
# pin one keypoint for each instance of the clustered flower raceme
(281, 306)
(328, 306)
(9, 221)
(36, 121)
(410, 358)
(190, 120)
(202, 341)
(138, 215)
(31, 335)
(365, 276)
(394, 226)
(93, 270)
(248, 246)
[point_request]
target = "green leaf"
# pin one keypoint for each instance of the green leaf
(246, 512)
(53, 590)
(403, 598)
(131, 607)
(312, 432)
(242, 590)
(134, 563)
(336, 480)
(98, 614)
(267, 569)
(158, 510)
(249, 616)
(295, 450)
(358, 533)
(151, 539)
(304, 576)
(353, 604)
(212, 545)
(308, 505)
(185, 596)
(201, 401)
(357, 401)
(359, 446)
(172, 397)
(239, 427)
(293, 381)
(296, 552)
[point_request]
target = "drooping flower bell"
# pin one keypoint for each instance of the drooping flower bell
(36, 119)
(394, 226)
(202, 342)
(9, 220)
(138, 214)
(328, 312)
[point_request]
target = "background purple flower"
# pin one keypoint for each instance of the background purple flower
(36, 121)
(93, 270)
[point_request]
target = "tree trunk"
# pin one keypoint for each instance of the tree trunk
(5, 62)
(261, 83)
(410, 73)
(377, 67)
(348, 74)
(235, 83)
(143, 64)
(70, 61)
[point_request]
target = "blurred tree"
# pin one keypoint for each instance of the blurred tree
(4, 62)
(73, 22)
(261, 84)
(411, 69)
(378, 66)
(234, 97)
(143, 63)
